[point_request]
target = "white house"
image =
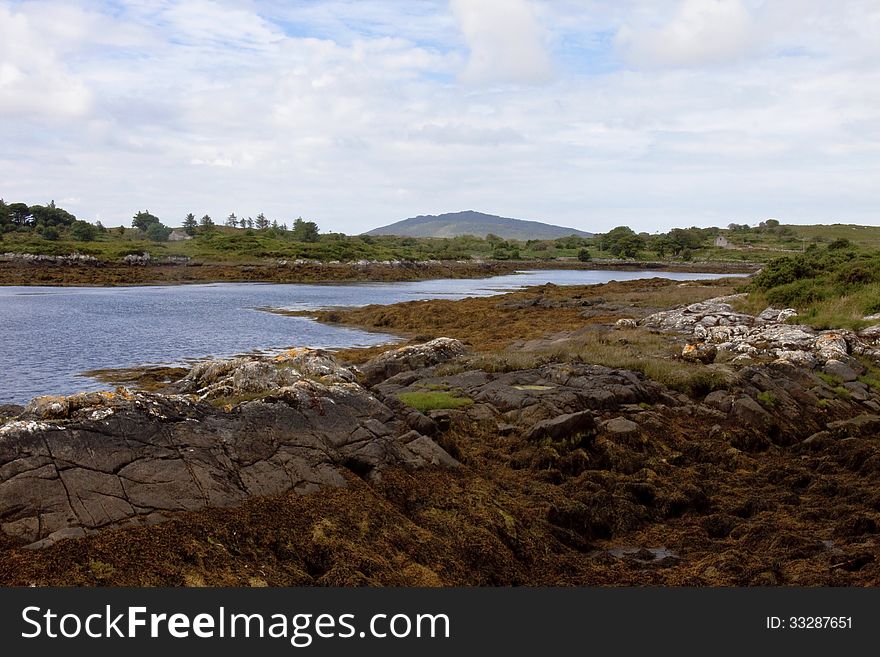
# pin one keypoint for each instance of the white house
(178, 235)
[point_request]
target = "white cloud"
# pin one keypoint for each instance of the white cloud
(700, 32)
(506, 41)
(33, 77)
(357, 114)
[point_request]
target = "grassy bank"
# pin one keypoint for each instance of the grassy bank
(837, 286)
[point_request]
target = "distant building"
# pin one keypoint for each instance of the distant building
(723, 243)
(178, 235)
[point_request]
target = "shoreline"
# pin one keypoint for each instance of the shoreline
(573, 438)
(104, 274)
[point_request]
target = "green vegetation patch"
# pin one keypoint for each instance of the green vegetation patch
(832, 287)
(433, 401)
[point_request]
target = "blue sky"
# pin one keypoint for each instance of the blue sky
(355, 114)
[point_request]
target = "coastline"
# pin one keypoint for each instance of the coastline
(114, 274)
(582, 451)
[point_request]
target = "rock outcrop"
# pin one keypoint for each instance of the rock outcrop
(717, 329)
(410, 358)
(72, 465)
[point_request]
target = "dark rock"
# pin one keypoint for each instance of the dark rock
(564, 426)
(10, 410)
(77, 464)
(620, 425)
(860, 425)
(720, 400)
(748, 413)
(421, 423)
(840, 370)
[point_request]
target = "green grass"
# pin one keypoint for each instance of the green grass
(433, 401)
(830, 379)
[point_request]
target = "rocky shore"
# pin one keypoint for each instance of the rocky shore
(732, 449)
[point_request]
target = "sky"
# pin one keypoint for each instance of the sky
(356, 114)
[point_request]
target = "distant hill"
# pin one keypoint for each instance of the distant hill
(470, 222)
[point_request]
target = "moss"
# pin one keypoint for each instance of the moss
(433, 401)
(101, 570)
(766, 399)
(842, 393)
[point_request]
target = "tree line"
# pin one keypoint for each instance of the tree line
(154, 229)
(48, 221)
(52, 222)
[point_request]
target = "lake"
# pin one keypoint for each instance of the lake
(51, 335)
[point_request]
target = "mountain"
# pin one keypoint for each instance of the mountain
(480, 224)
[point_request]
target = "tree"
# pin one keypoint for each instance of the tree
(50, 233)
(51, 215)
(207, 224)
(261, 223)
(143, 220)
(232, 220)
(305, 231)
(584, 255)
(83, 231)
(623, 242)
(20, 214)
(190, 224)
(158, 232)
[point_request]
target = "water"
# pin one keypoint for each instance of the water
(51, 335)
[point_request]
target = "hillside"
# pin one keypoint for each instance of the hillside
(471, 222)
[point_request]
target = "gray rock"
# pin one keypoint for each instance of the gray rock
(564, 426)
(858, 391)
(720, 400)
(749, 413)
(412, 357)
(620, 425)
(841, 370)
(431, 452)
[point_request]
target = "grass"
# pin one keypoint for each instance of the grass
(434, 401)
(652, 354)
(830, 379)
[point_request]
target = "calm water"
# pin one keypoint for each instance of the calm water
(50, 335)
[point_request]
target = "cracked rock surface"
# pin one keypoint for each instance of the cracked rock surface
(73, 465)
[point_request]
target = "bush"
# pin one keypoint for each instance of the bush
(82, 231)
(584, 255)
(158, 232)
